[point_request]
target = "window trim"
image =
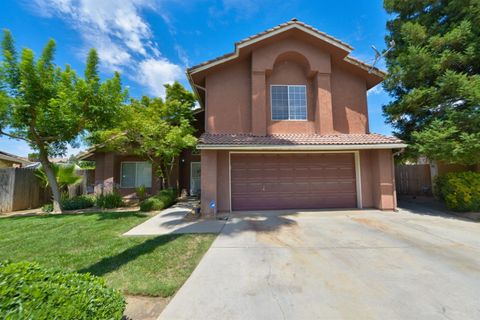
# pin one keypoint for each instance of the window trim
(289, 85)
(121, 175)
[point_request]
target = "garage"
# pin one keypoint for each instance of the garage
(268, 181)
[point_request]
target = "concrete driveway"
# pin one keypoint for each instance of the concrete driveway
(336, 265)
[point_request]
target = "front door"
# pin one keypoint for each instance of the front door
(195, 178)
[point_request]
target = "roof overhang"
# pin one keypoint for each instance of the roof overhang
(13, 158)
(302, 147)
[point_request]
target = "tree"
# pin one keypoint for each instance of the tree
(155, 129)
(434, 77)
(49, 107)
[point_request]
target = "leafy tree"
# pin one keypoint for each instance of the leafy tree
(434, 77)
(49, 107)
(155, 129)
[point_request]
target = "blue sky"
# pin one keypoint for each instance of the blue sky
(152, 42)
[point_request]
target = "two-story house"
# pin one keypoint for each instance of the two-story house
(286, 126)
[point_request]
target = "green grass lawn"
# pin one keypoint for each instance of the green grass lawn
(93, 243)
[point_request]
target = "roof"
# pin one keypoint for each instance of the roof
(293, 23)
(14, 158)
(312, 141)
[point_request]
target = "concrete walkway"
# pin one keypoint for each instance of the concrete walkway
(336, 265)
(172, 220)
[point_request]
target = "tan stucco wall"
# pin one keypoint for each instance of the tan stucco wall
(378, 179)
(349, 102)
(238, 94)
(376, 172)
(228, 99)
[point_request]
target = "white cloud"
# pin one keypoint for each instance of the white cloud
(122, 37)
(378, 89)
(154, 73)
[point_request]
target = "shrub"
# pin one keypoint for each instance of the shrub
(459, 190)
(162, 200)
(109, 200)
(78, 202)
(29, 291)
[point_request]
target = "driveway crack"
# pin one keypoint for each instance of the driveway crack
(272, 291)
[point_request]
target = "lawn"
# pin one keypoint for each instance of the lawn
(156, 266)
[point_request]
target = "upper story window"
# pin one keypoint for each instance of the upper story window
(289, 102)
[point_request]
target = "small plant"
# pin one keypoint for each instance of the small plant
(47, 208)
(459, 190)
(141, 192)
(29, 291)
(109, 201)
(162, 200)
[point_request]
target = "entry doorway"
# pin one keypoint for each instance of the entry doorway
(195, 173)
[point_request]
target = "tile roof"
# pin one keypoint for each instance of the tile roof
(297, 139)
(294, 21)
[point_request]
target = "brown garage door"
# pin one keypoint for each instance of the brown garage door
(292, 181)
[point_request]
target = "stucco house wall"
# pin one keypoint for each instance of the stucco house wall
(237, 101)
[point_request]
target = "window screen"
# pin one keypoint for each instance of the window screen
(136, 174)
(289, 102)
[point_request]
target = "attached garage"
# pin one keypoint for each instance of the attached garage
(268, 181)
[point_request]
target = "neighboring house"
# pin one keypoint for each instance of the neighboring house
(125, 172)
(286, 126)
(8, 160)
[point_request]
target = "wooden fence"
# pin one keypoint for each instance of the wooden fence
(20, 189)
(413, 179)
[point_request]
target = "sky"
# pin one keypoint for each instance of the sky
(152, 42)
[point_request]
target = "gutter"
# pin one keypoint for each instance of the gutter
(302, 147)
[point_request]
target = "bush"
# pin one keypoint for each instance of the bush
(109, 200)
(29, 291)
(79, 202)
(75, 203)
(162, 200)
(459, 190)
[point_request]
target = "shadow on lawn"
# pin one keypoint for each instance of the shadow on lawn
(106, 215)
(102, 215)
(112, 263)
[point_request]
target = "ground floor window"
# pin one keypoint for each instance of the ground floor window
(136, 174)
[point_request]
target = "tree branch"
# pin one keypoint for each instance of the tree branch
(14, 136)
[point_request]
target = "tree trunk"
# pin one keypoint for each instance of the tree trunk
(52, 181)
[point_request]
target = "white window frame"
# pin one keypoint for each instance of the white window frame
(121, 175)
(288, 101)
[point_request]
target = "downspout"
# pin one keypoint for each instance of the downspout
(395, 208)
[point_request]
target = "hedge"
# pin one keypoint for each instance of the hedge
(162, 200)
(459, 190)
(78, 202)
(29, 291)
